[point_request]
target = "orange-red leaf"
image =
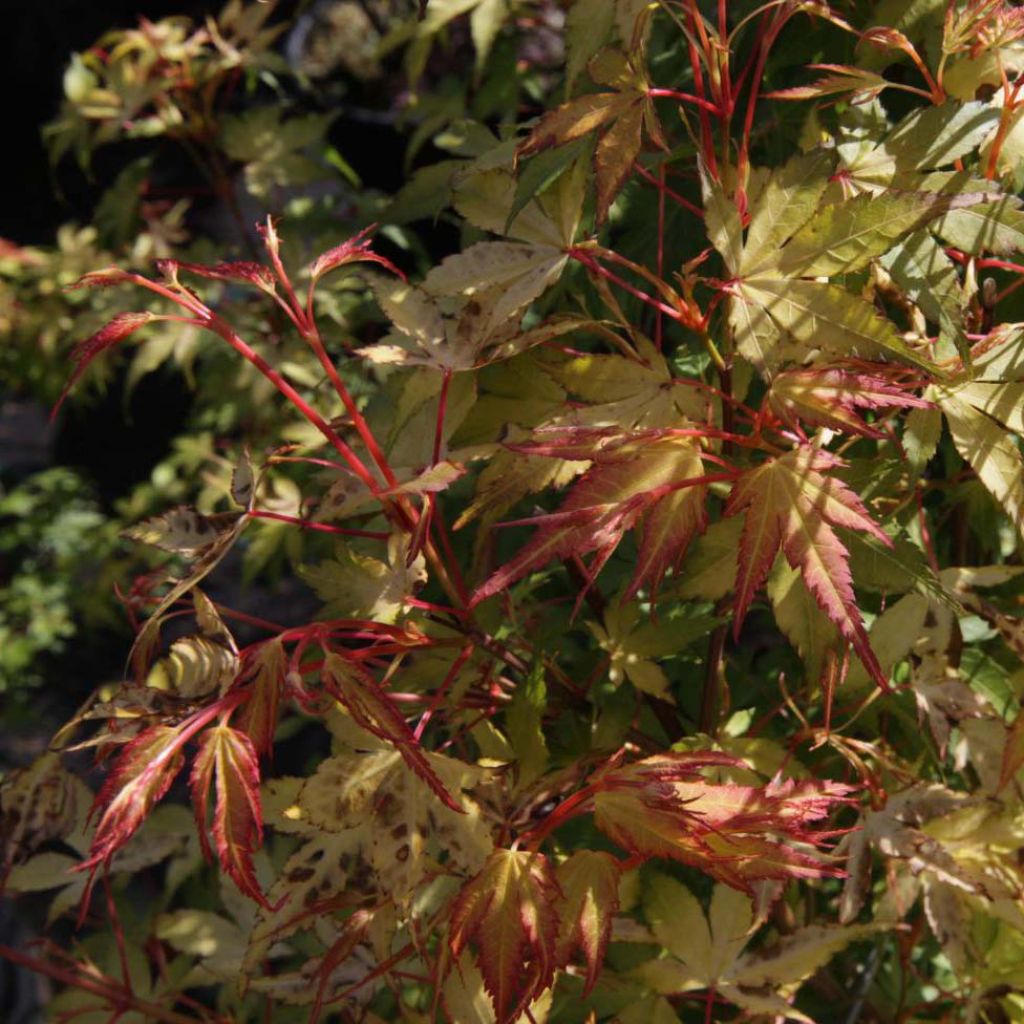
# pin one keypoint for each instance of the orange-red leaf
(106, 337)
(631, 476)
(228, 760)
(791, 504)
(371, 709)
(508, 911)
(589, 881)
(242, 271)
(143, 773)
(830, 398)
(663, 807)
(355, 250)
(264, 671)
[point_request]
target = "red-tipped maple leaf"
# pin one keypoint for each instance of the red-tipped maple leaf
(105, 277)
(264, 672)
(142, 774)
(790, 504)
(589, 881)
(371, 709)
(355, 250)
(656, 476)
(663, 807)
(228, 760)
(509, 912)
(116, 330)
(243, 271)
(830, 398)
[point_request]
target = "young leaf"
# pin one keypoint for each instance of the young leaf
(264, 672)
(792, 504)
(227, 759)
(355, 250)
(141, 776)
(830, 398)
(509, 911)
(630, 477)
(662, 807)
(122, 326)
(618, 116)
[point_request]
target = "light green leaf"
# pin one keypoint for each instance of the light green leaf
(587, 27)
(722, 222)
(525, 272)
(1003, 402)
(523, 722)
(996, 227)
(788, 200)
(920, 266)
(844, 237)
(825, 316)
(800, 618)
(709, 571)
(989, 450)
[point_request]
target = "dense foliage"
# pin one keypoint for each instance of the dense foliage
(666, 534)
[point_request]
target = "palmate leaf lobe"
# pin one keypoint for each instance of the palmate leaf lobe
(228, 761)
(509, 912)
(589, 881)
(141, 776)
(831, 397)
(707, 952)
(663, 807)
(649, 479)
(371, 709)
(792, 504)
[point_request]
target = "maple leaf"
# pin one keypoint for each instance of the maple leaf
(509, 911)
(142, 774)
(619, 116)
(830, 398)
(372, 710)
(861, 83)
(791, 505)
(264, 672)
(657, 477)
(112, 333)
(243, 271)
(707, 952)
(779, 291)
(662, 807)
(974, 414)
(354, 250)
(505, 277)
(407, 830)
(228, 760)
(589, 881)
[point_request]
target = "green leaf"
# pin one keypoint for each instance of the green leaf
(722, 222)
(587, 27)
(819, 316)
(844, 237)
(920, 266)
(989, 450)
(523, 722)
(788, 200)
(523, 272)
